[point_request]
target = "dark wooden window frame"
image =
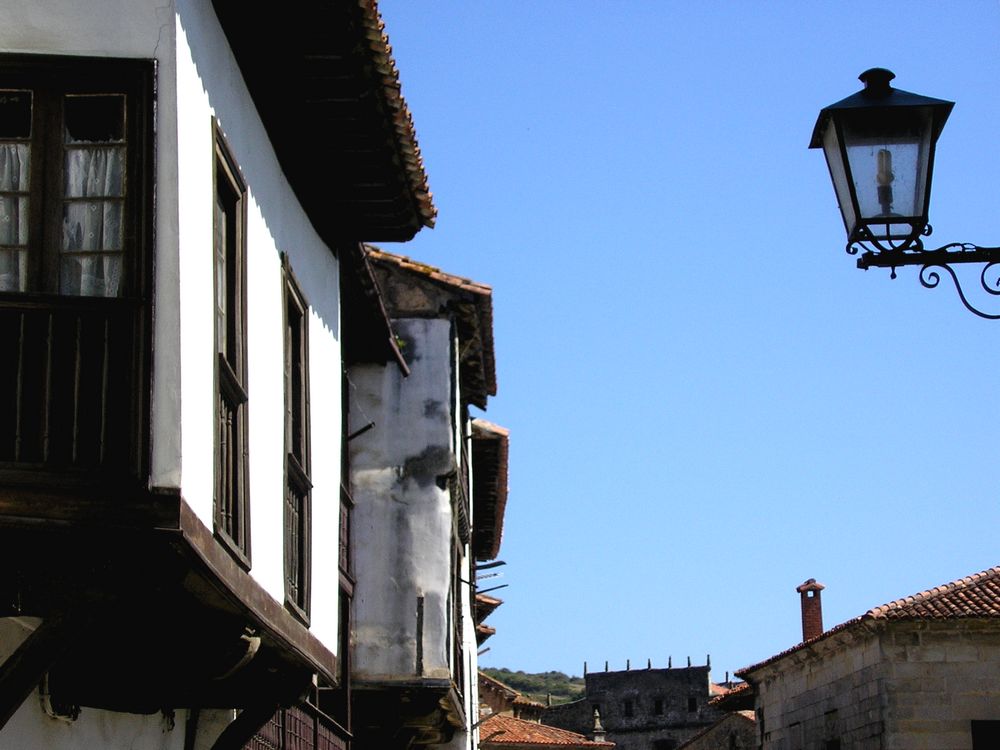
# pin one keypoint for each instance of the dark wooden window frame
(232, 492)
(52, 79)
(111, 333)
(298, 460)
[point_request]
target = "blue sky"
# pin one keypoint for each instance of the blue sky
(708, 402)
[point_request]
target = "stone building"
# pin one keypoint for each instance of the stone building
(496, 698)
(642, 709)
(919, 672)
(735, 731)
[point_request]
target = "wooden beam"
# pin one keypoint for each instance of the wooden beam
(245, 726)
(22, 672)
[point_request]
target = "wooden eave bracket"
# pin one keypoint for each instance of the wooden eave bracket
(24, 669)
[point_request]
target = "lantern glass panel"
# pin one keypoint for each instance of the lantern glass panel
(841, 185)
(888, 158)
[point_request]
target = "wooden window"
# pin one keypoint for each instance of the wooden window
(74, 140)
(232, 503)
(75, 197)
(298, 486)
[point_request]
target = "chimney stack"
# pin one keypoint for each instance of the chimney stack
(812, 609)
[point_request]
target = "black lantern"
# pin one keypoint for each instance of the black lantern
(879, 146)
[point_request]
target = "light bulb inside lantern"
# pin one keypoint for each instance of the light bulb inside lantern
(884, 178)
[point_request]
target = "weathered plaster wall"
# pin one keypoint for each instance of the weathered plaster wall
(402, 521)
(31, 727)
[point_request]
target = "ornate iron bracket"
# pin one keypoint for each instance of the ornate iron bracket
(912, 253)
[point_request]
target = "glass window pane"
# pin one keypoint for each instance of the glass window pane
(94, 172)
(14, 162)
(220, 278)
(13, 271)
(15, 114)
(90, 275)
(96, 118)
(13, 220)
(92, 225)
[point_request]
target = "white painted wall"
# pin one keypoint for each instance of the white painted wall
(31, 727)
(209, 84)
(402, 521)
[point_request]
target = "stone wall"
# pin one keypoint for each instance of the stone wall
(641, 709)
(910, 685)
(737, 731)
(833, 690)
(942, 675)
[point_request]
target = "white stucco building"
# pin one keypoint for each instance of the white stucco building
(430, 486)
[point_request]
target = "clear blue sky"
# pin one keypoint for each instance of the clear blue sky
(708, 402)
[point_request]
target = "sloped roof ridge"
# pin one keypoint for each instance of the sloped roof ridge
(497, 683)
(976, 595)
(425, 269)
(402, 120)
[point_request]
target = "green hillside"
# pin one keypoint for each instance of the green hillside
(537, 686)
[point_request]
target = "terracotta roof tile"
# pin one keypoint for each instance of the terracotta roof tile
(491, 683)
(490, 451)
(506, 730)
(431, 272)
(977, 595)
(385, 65)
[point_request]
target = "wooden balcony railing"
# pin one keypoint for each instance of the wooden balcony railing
(73, 388)
(301, 727)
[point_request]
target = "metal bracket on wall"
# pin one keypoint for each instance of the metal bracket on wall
(940, 258)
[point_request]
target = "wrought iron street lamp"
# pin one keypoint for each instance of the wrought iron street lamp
(879, 146)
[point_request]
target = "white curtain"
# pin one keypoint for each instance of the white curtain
(14, 162)
(93, 226)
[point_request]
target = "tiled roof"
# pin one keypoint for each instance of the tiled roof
(431, 272)
(977, 595)
(491, 683)
(486, 605)
(391, 94)
(490, 450)
(973, 597)
(483, 632)
(506, 730)
(325, 84)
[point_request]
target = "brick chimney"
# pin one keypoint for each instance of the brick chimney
(812, 609)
